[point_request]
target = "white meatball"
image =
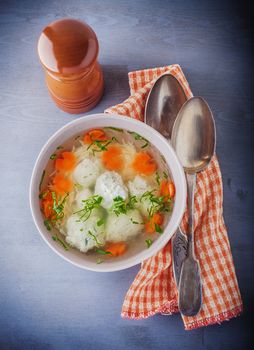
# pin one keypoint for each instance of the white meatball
(110, 185)
(123, 227)
(81, 196)
(80, 234)
(87, 171)
(138, 187)
(145, 206)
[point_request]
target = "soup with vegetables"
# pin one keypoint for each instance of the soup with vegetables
(105, 190)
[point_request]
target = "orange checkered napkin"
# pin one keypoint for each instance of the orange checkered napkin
(154, 289)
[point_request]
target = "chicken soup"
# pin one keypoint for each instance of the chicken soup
(104, 190)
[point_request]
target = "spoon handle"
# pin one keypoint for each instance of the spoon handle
(191, 186)
(179, 251)
(190, 291)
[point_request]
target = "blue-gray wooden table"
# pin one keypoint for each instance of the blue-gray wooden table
(46, 303)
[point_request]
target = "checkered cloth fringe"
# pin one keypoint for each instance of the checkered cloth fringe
(153, 289)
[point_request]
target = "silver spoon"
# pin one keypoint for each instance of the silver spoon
(162, 106)
(193, 137)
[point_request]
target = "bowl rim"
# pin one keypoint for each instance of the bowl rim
(161, 241)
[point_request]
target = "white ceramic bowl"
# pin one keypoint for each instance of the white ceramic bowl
(98, 121)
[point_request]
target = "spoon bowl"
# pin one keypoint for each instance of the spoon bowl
(193, 135)
(163, 104)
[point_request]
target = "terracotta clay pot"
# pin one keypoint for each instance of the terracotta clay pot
(68, 50)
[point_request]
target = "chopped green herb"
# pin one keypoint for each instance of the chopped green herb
(131, 202)
(53, 156)
(113, 128)
(58, 207)
(42, 178)
(47, 224)
(157, 178)
(90, 204)
(59, 147)
(99, 261)
(139, 138)
(158, 228)
(120, 206)
(78, 186)
(42, 195)
(59, 240)
(136, 222)
(81, 230)
(101, 145)
(149, 242)
(147, 194)
(94, 238)
(165, 175)
(157, 204)
(103, 252)
(100, 222)
(77, 137)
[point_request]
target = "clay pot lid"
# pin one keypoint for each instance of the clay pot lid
(67, 46)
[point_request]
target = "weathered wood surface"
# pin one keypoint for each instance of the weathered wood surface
(46, 303)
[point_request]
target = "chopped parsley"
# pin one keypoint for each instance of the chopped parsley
(94, 238)
(103, 252)
(53, 156)
(165, 175)
(60, 241)
(59, 147)
(157, 178)
(89, 205)
(42, 195)
(42, 178)
(101, 145)
(157, 204)
(139, 138)
(100, 222)
(136, 222)
(132, 202)
(158, 228)
(58, 207)
(149, 242)
(120, 206)
(78, 186)
(47, 223)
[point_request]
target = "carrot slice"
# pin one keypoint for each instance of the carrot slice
(156, 219)
(62, 185)
(117, 249)
(94, 135)
(167, 189)
(144, 164)
(67, 162)
(47, 204)
(112, 158)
